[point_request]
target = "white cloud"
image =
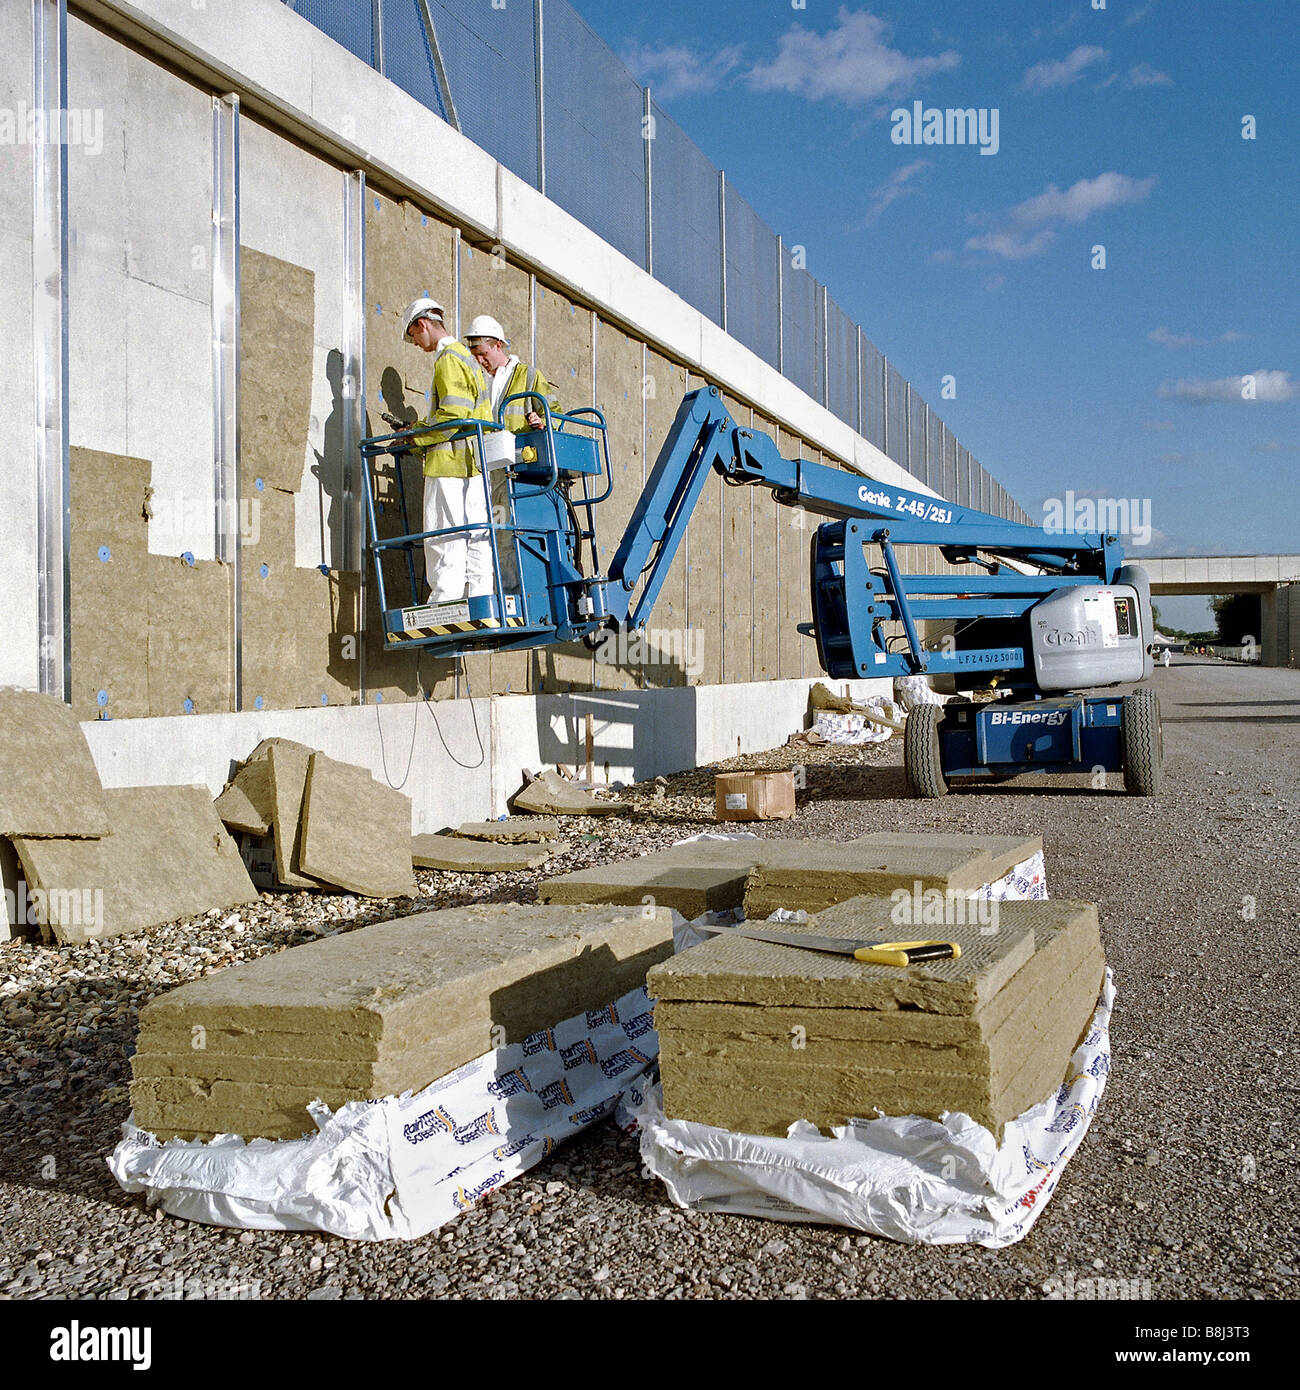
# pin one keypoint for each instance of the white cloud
(676, 71)
(1014, 245)
(1138, 15)
(1082, 199)
(1175, 340)
(1043, 77)
(852, 63)
(1144, 75)
(1232, 336)
(898, 185)
(1272, 386)
(1029, 228)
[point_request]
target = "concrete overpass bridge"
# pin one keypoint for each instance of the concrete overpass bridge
(1275, 578)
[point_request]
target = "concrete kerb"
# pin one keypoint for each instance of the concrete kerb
(434, 754)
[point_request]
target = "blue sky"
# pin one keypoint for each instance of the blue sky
(1120, 127)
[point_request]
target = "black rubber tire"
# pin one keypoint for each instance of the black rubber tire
(921, 757)
(1142, 743)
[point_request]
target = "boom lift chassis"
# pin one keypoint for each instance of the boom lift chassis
(1040, 617)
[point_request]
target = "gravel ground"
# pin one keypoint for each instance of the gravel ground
(1182, 1184)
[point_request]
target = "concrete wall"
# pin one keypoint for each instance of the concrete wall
(20, 647)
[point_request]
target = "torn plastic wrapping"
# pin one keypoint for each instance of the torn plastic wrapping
(910, 1179)
(404, 1165)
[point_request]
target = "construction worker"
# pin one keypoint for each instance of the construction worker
(457, 567)
(507, 376)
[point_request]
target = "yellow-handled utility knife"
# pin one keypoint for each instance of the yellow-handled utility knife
(872, 952)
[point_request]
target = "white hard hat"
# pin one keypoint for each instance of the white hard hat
(418, 309)
(485, 326)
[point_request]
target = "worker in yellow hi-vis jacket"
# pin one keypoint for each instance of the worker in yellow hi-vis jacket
(507, 376)
(457, 567)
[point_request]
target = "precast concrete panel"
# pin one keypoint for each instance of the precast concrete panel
(564, 352)
(618, 394)
(491, 284)
(140, 220)
(19, 652)
(704, 573)
(663, 385)
(738, 562)
(409, 253)
(770, 521)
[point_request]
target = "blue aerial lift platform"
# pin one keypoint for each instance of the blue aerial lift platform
(1050, 615)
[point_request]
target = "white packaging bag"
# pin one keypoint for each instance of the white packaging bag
(404, 1165)
(910, 1179)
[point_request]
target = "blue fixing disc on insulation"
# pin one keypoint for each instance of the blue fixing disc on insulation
(264, 570)
(189, 705)
(188, 557)
(257, 704)
(105, 554)
(324, 699)
(260, 485)
(324, 569)
(379, 308)
(376, 204)
(102, 698)
(379, 697)
(424, 221)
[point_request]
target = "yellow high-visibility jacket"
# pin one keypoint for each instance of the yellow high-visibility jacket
(525, 378)
(460, 392)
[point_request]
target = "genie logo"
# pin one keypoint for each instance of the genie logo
(1065, 637)
(1051, 717)
(875, 499)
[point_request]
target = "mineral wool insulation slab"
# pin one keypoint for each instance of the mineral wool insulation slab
(167, 856)
(390, 1008)
(289, 763)
(356, 832)
(512, 830)
(1004, 851)
(813, 875)
(706, 875)
(456, 855)
(732, 1065)
(246, 804)
(38, 733)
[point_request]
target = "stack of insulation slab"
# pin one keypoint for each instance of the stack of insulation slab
(754, 1036)
(764, 875)
(376, 1012)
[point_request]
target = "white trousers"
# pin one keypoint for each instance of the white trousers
(456, 567)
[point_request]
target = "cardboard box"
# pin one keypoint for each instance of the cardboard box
(754, 795)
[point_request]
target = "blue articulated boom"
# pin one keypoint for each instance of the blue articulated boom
(1041, 615)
